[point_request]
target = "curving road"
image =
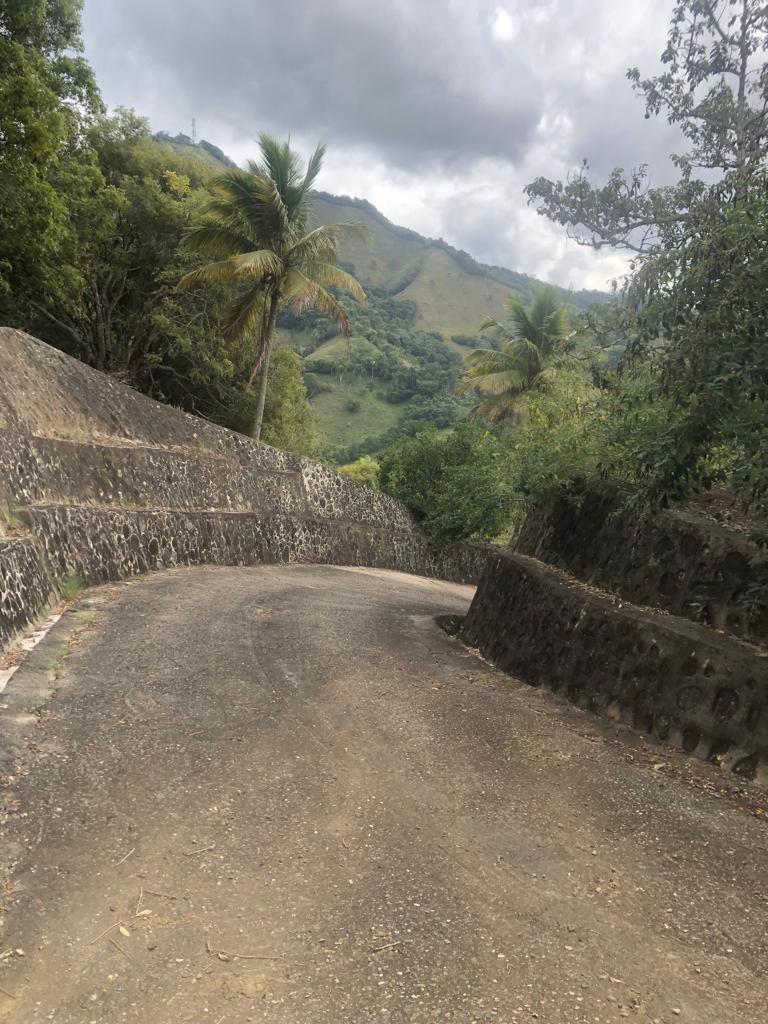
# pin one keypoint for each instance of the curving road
(291, 798)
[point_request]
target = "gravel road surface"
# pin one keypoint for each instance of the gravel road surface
(284, 794)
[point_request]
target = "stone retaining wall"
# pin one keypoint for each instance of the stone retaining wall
(26, 588)
(111, 484)
(687, 564)
(681, 682)
(101, 544)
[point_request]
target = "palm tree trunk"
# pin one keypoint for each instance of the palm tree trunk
(265, 357)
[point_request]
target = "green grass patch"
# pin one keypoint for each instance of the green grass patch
(339, 349)
(343, 427)
(70, 587)
(10, 524)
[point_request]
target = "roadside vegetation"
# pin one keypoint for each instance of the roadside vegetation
(684, 409)
(663, 388)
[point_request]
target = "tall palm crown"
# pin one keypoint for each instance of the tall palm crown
(255, 231)
(533, 344)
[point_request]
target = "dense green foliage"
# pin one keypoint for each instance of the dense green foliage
(93, 212)
(456, 483)
(708, 301)
(364, 470)
(695, 307)
(47, 93)
(532, 345)
(288, 419)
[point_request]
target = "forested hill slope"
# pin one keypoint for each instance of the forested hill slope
(451, 291)
(398, 370)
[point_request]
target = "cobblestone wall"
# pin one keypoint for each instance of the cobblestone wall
(681, 682)
(111, 484)
(686, 564)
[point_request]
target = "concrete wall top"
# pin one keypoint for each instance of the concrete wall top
(47, 393)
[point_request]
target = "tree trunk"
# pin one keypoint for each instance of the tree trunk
(265, 356)
(741, 113)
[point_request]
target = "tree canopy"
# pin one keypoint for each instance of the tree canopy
(715, 90)
(532, 345)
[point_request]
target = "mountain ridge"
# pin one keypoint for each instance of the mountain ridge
(580, 298)
(453, 291)
(426, 300)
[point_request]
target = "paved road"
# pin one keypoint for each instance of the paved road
(294, 799)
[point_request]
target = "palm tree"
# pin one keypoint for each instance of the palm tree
(255, 231)
(532, 346)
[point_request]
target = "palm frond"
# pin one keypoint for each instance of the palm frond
(222, 271)
(313, 168)
(297, 290)
(333, 276)
(488, 360)
(523, 352)
(244, 315)
(279, 162)
(270, 205)
(494, 383)
(320, 244)
(492, 324)
(495, 409)
(257, 264)
(325, 303)
(518, 323)
(216, 240)
(300, 292)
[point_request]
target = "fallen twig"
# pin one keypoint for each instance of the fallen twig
(162, 895)
(125, 858)
(102, 934)
(118, 946)
(238, 956)
(390, 945)
(194, 853)
(138, 905)
(7, 993)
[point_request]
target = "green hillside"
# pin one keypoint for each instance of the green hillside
(452, 291)
(426, 301)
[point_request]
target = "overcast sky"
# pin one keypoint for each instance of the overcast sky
(437, 111)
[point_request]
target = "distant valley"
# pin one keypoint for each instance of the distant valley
(426, 301)
(423, 296)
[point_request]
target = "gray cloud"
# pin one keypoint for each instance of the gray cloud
(414, 79)
(439, 111)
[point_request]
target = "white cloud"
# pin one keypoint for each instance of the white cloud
(437, 111)
(504, 27)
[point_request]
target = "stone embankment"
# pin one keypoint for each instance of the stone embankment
(100, 483)
(686, 564)
(609, 625)
(642, 622)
